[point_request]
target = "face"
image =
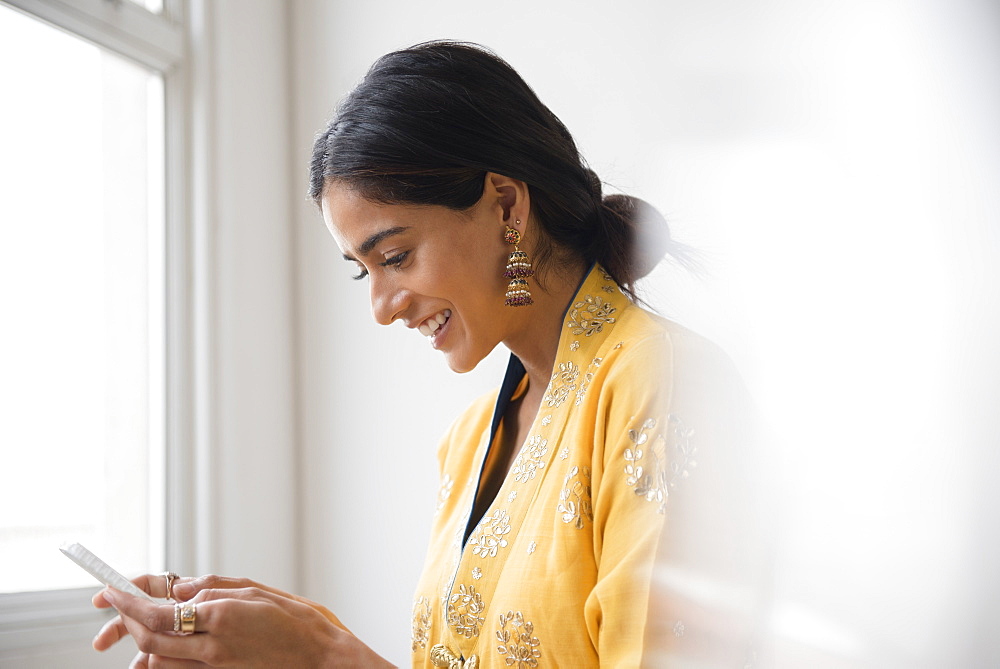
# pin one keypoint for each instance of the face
(437, 270)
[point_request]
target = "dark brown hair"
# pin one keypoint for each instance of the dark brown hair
(427, 123)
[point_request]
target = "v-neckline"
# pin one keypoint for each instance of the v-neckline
(513, 387)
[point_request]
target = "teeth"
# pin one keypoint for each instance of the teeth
(431, 325)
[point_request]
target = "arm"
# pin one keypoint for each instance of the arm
(629, 499)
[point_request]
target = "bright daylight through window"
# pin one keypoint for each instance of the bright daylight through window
(81, 287)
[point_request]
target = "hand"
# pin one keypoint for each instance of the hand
(184, 588)
(238, 623)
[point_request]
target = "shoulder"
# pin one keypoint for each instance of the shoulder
(649, 348)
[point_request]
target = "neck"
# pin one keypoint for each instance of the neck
(537, 341)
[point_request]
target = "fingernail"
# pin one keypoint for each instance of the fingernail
(183, 590)
(109, 597)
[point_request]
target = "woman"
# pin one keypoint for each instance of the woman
(464, 202)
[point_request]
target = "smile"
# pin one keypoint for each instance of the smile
(431, 325)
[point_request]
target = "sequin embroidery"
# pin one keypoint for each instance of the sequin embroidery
(465, 609)
(590, 315)
(529, 460)
(563, 382)
(517, 645)
(421, 624)
(587, 378)
(574, 500)
(490, 535)
(647, 471)
(444, 492)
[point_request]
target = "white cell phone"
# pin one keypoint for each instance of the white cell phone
(100, 570)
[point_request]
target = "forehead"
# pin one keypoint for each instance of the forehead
(351, 218)
(354, 220)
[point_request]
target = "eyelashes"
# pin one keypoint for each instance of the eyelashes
(394, 261)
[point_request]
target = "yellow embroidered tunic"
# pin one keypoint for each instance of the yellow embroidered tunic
(557, 572)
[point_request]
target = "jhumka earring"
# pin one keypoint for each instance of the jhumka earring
(518, 268)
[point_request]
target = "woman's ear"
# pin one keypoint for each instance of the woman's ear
(512, 197)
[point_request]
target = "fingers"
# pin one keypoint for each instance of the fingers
(187, 588)
(111, 633)
(155, 585)
(154, 617)
(147, 661)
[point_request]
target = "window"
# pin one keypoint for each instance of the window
(93, 98)
(81, 280)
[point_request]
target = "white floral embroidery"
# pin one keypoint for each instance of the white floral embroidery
(647, 471)
(563, 382)
(546, 420)
(444, 492)
(421, 624)
(490, 535)
(477, 573)
(529, 460)
(608, 289)
(587, 378)
(590, 315)
(512, 496)
(679, 628)
(517, 645)
(531, 547)
(574, 500)
(575, 346)
(564, 453)
(465, 609)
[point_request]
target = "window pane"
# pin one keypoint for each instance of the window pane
(81, 292)
(151, 5)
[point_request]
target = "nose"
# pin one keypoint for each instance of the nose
(388, 299)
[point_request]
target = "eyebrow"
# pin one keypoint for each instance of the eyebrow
(370, 243)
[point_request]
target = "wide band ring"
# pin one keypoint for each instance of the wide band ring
(169, 577)
(184, 617)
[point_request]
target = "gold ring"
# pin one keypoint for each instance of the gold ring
(188, 612)
(177, 617)
(170, 577)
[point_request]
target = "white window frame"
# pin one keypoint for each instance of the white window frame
(34, 624)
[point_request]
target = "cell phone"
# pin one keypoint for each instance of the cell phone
(100, 570)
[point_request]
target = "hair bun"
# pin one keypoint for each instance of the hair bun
(593, 184)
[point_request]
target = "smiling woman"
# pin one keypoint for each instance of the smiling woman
(465, 204)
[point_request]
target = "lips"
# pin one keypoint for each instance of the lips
(432, 324)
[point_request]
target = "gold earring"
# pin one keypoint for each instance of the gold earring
(518, 269)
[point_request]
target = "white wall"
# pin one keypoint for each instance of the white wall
(248, 520)
(837, 162)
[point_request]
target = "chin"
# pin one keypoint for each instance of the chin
(461, 366)
(461, 363)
